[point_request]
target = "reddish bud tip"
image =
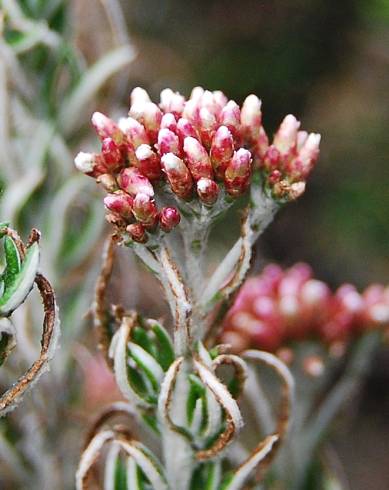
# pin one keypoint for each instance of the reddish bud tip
(111, 153)
(106, 128)
(168, 142)
(168, 121)
(169, 218)
(145, 210)
(186, 128)
(238, 173)
(177, 174)
(134, 131)
(197, 159)
(230, 117)
(137, 232)
(251, 118)
(119, 203)
(148, 162)
(222, 149)
(285, 139)
(133, 182)
(207, 190)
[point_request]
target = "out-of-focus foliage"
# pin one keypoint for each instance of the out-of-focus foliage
(48, 81)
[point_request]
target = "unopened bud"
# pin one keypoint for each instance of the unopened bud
(191, 112)
(148, 162)
(111, 154)
(145, 210)
(168, 121)
(208, 190)
(139, 94)
(208, 125)
(133, 182)
(177, 174)
(108, 182)
(220, 98)
(309, 151)
(230, 117)
(137, 232)
(172, 102)
(90, 164)
(251, 118)
(238, 173)
(152, 117)
(168, 142)
(185, 128)
(106, 128)
(285, 139)
(120, 203)
(169, 218)
(197, 159)
(134, 131)
(222, 149)
(209, 101)
(197, 93)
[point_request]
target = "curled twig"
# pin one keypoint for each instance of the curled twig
(239, 366)
(112, 410)
(234, 420)
(284, 415)
(99, 308)
(50, 335)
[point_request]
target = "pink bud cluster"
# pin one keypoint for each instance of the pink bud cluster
(280, 306)
(195, 146)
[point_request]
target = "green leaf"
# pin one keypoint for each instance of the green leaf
(165, 352)
(120, 475)
(22, 283)
(13, 262)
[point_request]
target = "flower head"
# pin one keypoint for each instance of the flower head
(280, 306)
(201, 148)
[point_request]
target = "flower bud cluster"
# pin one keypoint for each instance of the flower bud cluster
(280, 306)
(196, 146)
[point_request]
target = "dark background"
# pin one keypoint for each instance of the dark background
(328, 63)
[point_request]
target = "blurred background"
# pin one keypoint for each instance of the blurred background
(325, 61)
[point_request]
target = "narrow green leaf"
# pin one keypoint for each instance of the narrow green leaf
(17, 292)
(165, 352)
(13, 262)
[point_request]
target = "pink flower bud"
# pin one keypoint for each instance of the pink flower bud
(272, 159)
(108, 182)
(186, 128)
(209, 102)
(168, 142)
(251, 118)
(169, 218)
(208, 190)
(197, 159)
(119, 203)
(139, 94)
(178, 175)
(208, 125)
(172, 102)
(197, 93)
(220, 98)
(111, 154)
(238, 173)
(90, 164)
(222, 150)
(148, 162)
(106, 128)
(134, 131)
(168, 121)
(285, 139)
(145, 210)
(191, 111)
(309, 153)
(230, 117)
(137, 232)
(133, 182)
(152, 117)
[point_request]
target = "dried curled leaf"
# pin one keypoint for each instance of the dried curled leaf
(143, 457)
(21, 273)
